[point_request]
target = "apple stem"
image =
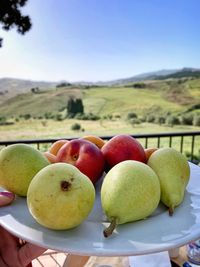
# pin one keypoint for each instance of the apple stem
(171, 210)
(108, 231)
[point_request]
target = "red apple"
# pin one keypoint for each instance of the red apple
(84, 155)
(122, 147)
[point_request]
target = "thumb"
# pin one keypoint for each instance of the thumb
(29, 252)
(6, 198)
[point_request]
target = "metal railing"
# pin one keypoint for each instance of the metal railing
(191, 146)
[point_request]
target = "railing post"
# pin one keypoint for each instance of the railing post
(146, 142)
(158, 143)
(181, 145)
(170, 141)
(192, 148)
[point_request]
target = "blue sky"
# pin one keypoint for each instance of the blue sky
(93, 40)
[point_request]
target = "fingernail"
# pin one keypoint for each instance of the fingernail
(7, 194)
(6, 198)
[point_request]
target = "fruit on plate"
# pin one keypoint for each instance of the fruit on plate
(130, 192)
(122, 147)
(99, 142)
(86, 156)
(18, 165)
(54, 148)
(149, 151)
(51, 157)
(173, 171)
(60, 197)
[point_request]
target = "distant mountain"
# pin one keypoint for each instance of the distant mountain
(183, 73)
(144, 76)
(7, 84)
(136, 78)
(10, 87)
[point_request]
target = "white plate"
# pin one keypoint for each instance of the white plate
(157, 233)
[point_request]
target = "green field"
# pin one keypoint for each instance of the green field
(111, 104)
(34, 129)
(157, 96)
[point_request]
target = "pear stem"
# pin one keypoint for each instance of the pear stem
(171, 210)
(108, 231)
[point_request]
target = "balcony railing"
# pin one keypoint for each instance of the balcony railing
(187, 143)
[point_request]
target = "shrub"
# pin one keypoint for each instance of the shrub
(58, 117)
(88, 116)
(3, 120)
(93, 117)
(143, 119)
(187, 119)
(108, 117)
(150, 118)
(160, 120)
(76, 127)
(63, 84)
(131, 115)
(40, 117)
(194, 107)
(117, 116)
(134, 121)
(48, 115)
(196, 120)
(172, 120)
(27, 116)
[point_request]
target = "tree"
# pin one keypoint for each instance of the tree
(35, 90)
(11, 16)
(74, 106)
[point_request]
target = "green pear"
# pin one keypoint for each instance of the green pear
(18, 165)
(173, 171)
(60, 197)
(130, 192)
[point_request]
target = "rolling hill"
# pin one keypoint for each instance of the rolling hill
(184, 73)
(155, 96)
(159, 92)
(10, 87)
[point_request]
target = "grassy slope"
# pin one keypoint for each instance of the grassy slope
(38, 104)
(158, 96)
(124, 100)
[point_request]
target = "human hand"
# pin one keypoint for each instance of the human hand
(13, 251)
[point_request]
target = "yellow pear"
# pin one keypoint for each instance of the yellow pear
(173, 171)
(60, 197)
(18, 165)
(130, 192)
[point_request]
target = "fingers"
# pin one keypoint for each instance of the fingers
(29, 252)
(6, 198)
(2, 264)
